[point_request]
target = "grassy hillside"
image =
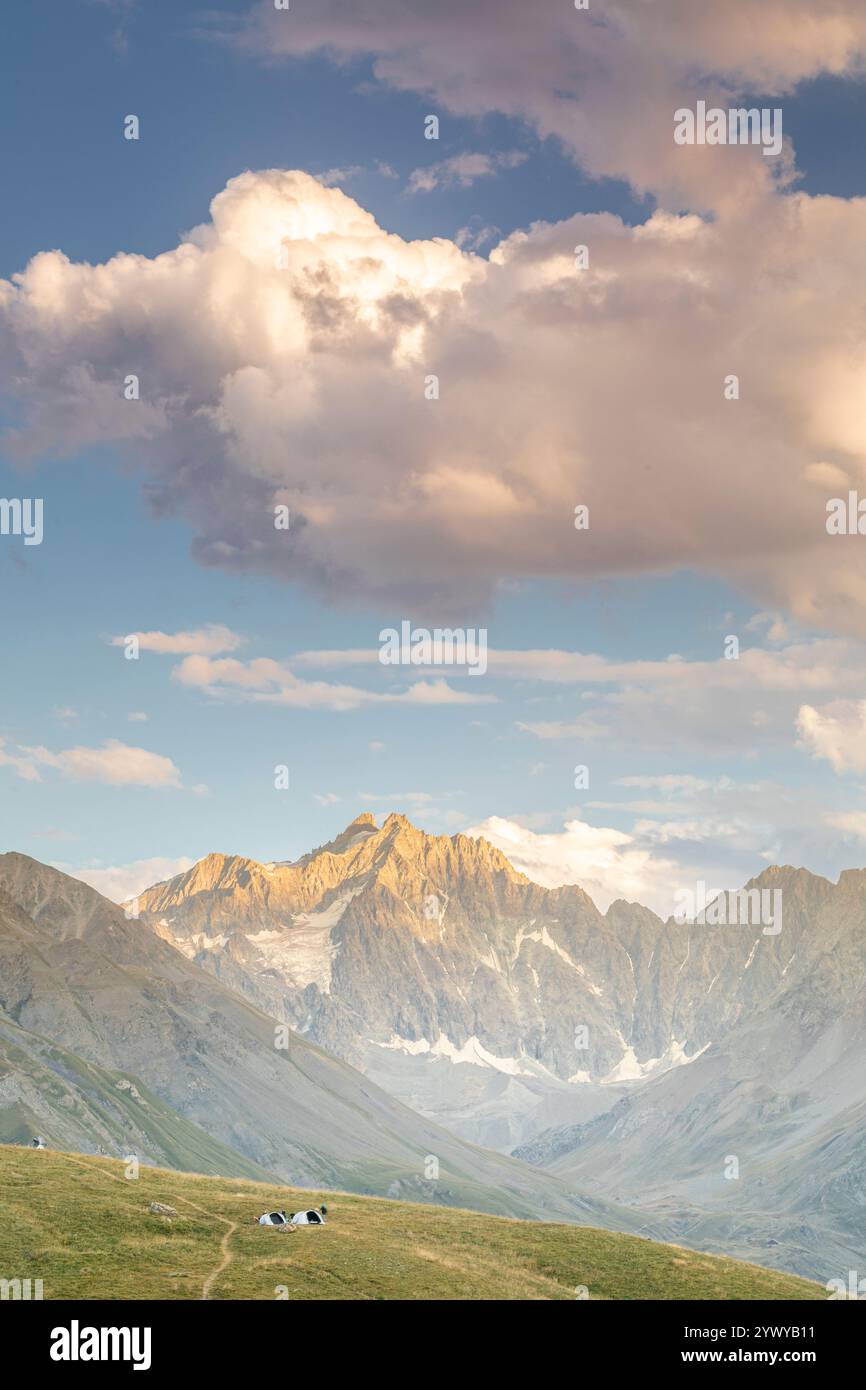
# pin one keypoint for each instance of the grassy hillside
(76, 1104)
(78, 1224)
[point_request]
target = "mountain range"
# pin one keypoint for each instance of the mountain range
(710, 1075)
(112, 1041)
(405, 1014)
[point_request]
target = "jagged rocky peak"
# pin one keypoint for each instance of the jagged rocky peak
(453, 853)
(361, 829)
(363, 850)
(215, 873)
(365, 847)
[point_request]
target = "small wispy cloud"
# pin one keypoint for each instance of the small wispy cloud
(272, 682)
(114, 763)
(122, 11)
(462, 170)
(476, 234)
(335, 178)
(210, 640)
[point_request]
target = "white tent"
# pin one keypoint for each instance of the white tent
(274, 1218)
(309, 1218)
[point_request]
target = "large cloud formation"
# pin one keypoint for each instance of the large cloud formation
(282, 351)
(604, 81)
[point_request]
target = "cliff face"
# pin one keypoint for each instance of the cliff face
(391, 941)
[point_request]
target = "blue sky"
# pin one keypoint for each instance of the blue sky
(755, 789)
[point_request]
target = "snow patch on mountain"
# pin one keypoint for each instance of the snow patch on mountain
(303, 953)
(544, 938)
(472, 1053)
(628, 1068)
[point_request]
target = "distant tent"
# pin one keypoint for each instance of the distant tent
(274, 1218)
(310, 1218)
(38, 1142)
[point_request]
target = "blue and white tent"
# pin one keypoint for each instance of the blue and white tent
(310, 1218)
(274, 1218)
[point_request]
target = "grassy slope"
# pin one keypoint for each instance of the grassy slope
(75, 1222)
(77, 1102)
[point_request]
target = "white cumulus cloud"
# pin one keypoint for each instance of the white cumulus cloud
(606, 863)
(121, 882)
(836, 732)
(283, 350)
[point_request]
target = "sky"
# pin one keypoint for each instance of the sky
(392, 338)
